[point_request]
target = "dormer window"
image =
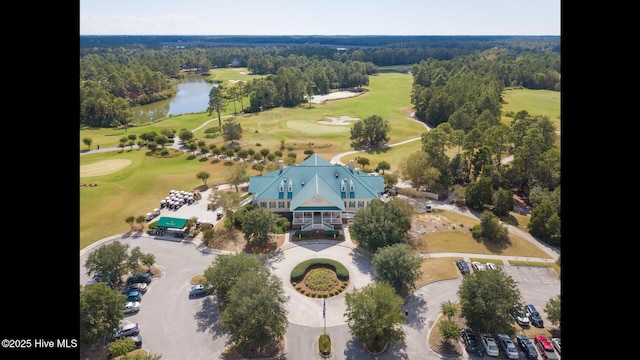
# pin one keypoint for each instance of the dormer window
(290, 188)
(281, 186)
(350, 185)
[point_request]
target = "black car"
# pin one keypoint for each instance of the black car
(469, 340)
(138, 278)
(534, 316)
(528, 349)
(462, 265)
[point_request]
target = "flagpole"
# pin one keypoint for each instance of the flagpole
(324, 316)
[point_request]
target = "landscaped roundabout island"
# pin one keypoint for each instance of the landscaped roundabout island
(320, 278)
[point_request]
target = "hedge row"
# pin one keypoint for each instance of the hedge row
(298, 272)
(329, 234)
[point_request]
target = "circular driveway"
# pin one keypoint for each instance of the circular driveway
(177, 327)
(307, 311)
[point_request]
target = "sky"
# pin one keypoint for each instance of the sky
(320, 17)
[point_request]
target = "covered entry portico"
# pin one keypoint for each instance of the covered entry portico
(319, 219)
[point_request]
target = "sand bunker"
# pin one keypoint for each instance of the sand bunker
(319, 99)
(342, 120)
(103, 167)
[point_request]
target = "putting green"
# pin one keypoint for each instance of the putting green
(316, 128)
(103, 167)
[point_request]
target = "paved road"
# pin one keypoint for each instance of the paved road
(181, 328)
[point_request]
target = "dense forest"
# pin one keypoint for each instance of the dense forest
(457, 87)
(117, 72)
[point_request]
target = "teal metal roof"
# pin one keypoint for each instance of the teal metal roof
(314, 179)
(171, 222)
(315, 194)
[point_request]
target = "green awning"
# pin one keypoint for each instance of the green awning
(171, 222)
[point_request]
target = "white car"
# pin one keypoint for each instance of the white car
(131, 307)
(490, 346)
(556, 344)
(491, 266)
(477, 266)
(142, 287)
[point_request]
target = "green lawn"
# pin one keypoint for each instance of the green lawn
(535, 102)
(138, 187)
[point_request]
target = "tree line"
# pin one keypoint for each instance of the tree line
(137, 72)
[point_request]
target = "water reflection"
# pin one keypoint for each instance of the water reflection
(192, 96)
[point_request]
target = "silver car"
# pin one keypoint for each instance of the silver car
(520, 316)
(508, 346)
(131, 307)
(490, 346)
(126, 330)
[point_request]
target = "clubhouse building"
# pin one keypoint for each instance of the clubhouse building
(316, 194)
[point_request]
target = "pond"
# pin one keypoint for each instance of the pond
(192, 96)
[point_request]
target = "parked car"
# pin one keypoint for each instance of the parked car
(137, 339)
(491, 266)
(131, 307)
(490, 346)
(545, 348)
(520, 316)
(508, 346)
(462, 265)
(477, 266)
(126, 330)
(556, 344)
(134, 295)
(469, 340)
(142, 287)
(199, 290)
(528, 349)
(534, 316)
(144, 277)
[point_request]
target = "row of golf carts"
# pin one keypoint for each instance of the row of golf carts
(177, 198)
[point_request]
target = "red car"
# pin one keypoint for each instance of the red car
(545, 348)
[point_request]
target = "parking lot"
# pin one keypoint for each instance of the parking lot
(178, 327)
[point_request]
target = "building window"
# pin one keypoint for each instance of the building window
(352, 204)
(360, 204)
(272, 204)
(280, 204)
(263, 204)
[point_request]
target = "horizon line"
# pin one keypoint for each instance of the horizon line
(308, 35)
